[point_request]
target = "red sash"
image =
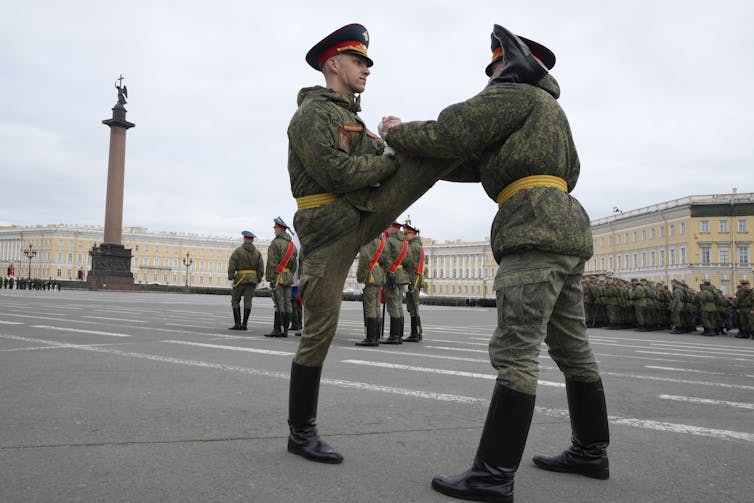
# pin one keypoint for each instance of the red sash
(377, 255)
(420, 266)
(399, 259)
(286, 258)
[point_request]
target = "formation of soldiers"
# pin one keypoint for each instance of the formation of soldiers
(9, 282)
(643, 305)
(391, 266)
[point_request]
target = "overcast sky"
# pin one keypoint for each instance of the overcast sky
(659, 95)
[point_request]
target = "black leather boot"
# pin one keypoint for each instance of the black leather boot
(416, 330)
(396, 331)
(236, 319)
(245, 322)
(490, 478)
(275, 327)
(590, 435)
(371, 338)
(285, 322)
(303, 439)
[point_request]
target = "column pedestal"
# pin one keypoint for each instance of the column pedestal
(111, 267)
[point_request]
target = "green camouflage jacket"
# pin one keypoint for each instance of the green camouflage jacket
(411, 262)
(366, 255)
(275, 253)
(507, 132)
(393, 248)
(245, 258)
(330, 150)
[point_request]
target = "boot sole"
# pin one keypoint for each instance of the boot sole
(305, 455)
(600, 474)
(471, 497)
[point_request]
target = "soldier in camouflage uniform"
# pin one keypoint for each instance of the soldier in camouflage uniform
(514, 138)
(414, 266)
(396, 252)
(347, 192)
(677, 307)
(705, 299)
(245, 270)
(371, 272)
(745, 309)
(282, 259)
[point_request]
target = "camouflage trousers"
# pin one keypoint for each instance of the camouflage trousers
(394, 300)
(246, 291)
(371, 301)
(412, 302)
(281, 299)
(327, 255)
(539, 298)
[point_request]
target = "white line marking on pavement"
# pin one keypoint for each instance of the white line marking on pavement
(11, 322)
(672, 369)
(559, 413)
(679, 381)
(707, 401)
(36, 317)
(114, 319)
(420, 355)
(80, 331)
(440, 371)
(457, 349)
(233, 348)
(709, 357)
(68, 346)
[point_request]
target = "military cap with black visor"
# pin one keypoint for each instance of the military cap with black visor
(524, 60)
(350, 39)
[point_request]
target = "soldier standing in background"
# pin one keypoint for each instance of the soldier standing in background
(371, 273)
(514, 138)
(745, 309)
(297, 312)
(676, 307)
(414, 266)
(705, 299)
(245, 270)
(347, 192)
(282, 259)
(396, 281)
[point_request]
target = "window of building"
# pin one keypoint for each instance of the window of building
(70, 257)
(60, 256)
(620, 262)
(671, 230)
(79, 258)
(705, 254)
(610, 263)
(59, 273)
(643, 234)
(743, 255)
(602, 263)
(723, 254)
(743, 226)
(617, 239)
(636, 261)
(651, 233)
(662, 231)
(682, 228)
(156, 261)
(724, 226)
(136, 248)
(682, 258)
(671, 256)
(165, 277)
(644, 260)
(662, 258)
(70, 274)
(635, 235)
(704, 226)
(166, 262)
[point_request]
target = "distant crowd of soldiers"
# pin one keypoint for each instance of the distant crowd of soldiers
(9, 282)
(642, 305)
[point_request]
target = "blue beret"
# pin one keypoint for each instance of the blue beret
(248, 234)
(279, 221)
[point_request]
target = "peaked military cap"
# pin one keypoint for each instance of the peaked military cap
(396, 225)
(279, 222)
(409, 227)
(248, 234)
(744, 282)
(352, 38)
(542, 53)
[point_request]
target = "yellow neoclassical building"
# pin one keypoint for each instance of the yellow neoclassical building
(62, 252)
(694, 238)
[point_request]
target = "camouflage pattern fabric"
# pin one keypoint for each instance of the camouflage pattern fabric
(245, 258)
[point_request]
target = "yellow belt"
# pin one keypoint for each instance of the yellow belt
(242, 275)
(529, 182)
(315, 200)
(279, 278)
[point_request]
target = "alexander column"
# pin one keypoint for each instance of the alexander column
(111, 261)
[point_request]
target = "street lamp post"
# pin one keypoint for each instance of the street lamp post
(30, 253)
(187, 262)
